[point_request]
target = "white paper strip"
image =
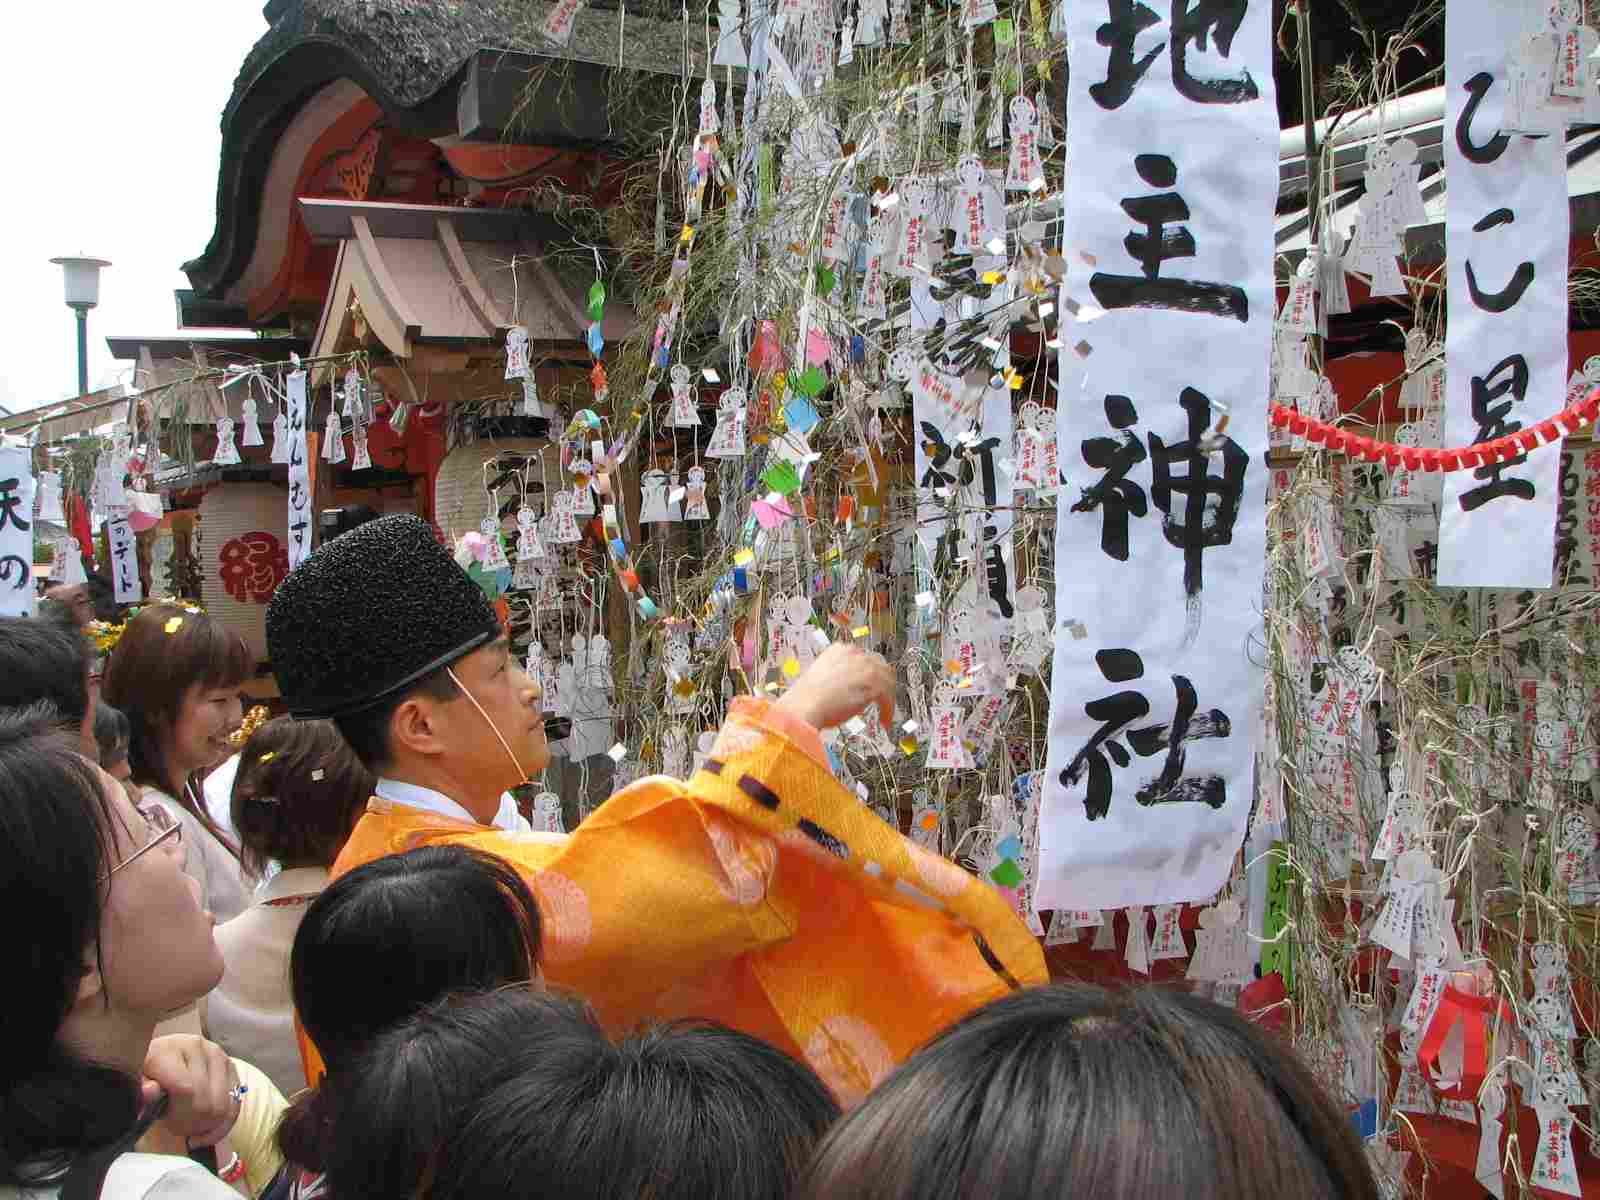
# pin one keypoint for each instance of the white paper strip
(1506, 232)
(299, 524)
(17, 598)
(1154, 713)
(124, 562)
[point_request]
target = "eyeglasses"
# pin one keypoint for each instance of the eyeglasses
(164, 827)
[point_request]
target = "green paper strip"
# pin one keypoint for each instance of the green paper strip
(1007, 874)
(1278, 955)
(782, 478)
(811, 381)
(1005, 33)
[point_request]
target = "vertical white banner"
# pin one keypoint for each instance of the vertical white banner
(300, 522)
(1155, 695)
(124, 561)
(17, 591)
(1506, 230)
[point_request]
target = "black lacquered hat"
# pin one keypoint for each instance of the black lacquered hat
(369, 614)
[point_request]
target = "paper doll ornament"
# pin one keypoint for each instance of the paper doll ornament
(730, 50)
(727, 439)
(563, 527)
(529, 545)
(1024, 173)
(252, 426)
(655, 507)
(582, 492)
(280, 438)
(361, 457)
(684, 414)
(333, 440)
(695, 507)
(227, 454)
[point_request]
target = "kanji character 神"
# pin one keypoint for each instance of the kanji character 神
(1115, 494)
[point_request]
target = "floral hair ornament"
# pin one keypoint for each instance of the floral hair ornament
(253, 720)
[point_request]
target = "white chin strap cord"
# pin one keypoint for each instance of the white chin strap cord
(522, 771)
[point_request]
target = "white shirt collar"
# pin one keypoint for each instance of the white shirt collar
(415, 796)
(297, 882)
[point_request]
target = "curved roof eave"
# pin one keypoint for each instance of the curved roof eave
(255, 119)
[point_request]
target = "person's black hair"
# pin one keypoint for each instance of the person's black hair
(56, 845)
(43, 660)
(367, 731)
(103, 597)
(1072, 1090)
(391, 937)
(111, 733)
(298, 792)
(386, 1116)
(58, 613)
(683, 1111)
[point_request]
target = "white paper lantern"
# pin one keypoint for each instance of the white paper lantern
(459, 500)
(244, 555)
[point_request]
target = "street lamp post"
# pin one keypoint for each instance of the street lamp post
(82, 279)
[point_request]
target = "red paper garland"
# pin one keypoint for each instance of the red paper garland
(1572, 418)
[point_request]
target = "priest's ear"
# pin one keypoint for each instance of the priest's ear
(417, 725)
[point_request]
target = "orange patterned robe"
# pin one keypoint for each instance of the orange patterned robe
(760, 894)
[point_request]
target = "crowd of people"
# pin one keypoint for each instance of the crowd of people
(367, 977)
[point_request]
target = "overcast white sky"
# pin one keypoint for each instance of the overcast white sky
(112, 119)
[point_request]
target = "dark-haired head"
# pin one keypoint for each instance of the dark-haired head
(1073, 1090)
(684, 1111)
(44, 661)
(177, 673)
(384, 1118)
(298, 792)
(95, 916)
(390, 938)
(111, 731)
(399, 932)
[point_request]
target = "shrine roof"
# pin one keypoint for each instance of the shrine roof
(431, 67)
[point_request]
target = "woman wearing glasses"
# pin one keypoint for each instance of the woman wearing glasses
(176, 673)
(111, 938)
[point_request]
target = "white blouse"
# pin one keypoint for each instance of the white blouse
(144, 1177)
(250, 1014)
